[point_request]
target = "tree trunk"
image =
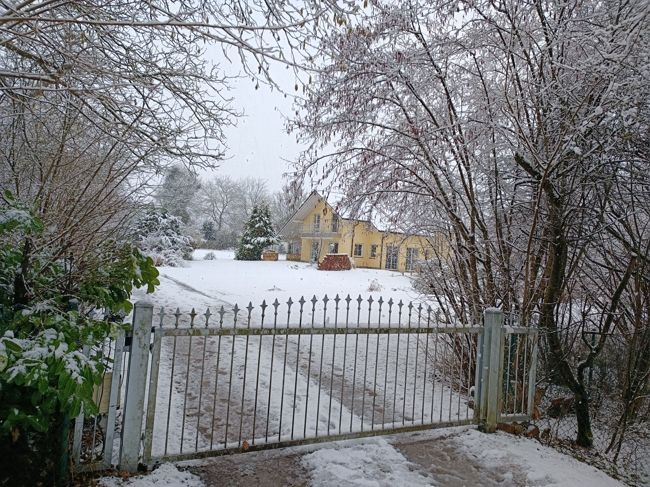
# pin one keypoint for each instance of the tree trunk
(585, 437)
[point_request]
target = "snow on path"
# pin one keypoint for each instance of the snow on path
(544, 466)
(450, 457)
(374, 463)
(165, 475)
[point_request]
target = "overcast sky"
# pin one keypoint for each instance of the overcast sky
(258, 144)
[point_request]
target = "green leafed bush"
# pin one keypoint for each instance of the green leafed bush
(52, 328)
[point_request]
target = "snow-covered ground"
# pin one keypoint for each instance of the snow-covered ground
(200, 395)
(286, 387)
(452, 457)
(205, 283)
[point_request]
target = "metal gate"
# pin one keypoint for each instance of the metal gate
(306, 371)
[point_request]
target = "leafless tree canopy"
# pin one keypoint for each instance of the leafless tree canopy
(519, 131)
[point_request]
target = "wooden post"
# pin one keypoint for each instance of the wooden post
(136, 386)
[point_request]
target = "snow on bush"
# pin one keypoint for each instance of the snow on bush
(159, 235)
(374, 286)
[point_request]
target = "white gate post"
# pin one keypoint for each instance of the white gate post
(490, 374)
(136, 386)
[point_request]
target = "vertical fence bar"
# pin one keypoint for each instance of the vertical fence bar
(478, 375)
(275, 305)
(374, 387)
(284, 369)
(354, 370)
(320, 369)
(399, 336)
(153, 390)
(257, 376)
(177, 316)
(336, 324)
(136, 386)
(207, 315)
(415, 373)
(314, 300)
(532, 374)
(302, 302)
(243, 389)
(345, 353)
(113, 399)
(426, 362)
(187, 380)
(365, 365)
(235, 311)
(406, 362)
(221, 312)
(383, 413)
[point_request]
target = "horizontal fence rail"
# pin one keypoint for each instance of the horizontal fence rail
(306, 371)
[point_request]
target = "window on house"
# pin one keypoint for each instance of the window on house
(358, 250)
(392, 254)
(373, 251)
(411, 258)
(334, 248)
(335, 223)
(316, 224)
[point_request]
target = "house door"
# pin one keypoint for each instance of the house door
(314, 251)
(392, 253)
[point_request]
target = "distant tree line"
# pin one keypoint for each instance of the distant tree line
(214, 211)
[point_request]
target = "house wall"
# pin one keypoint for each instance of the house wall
(354, 232)
(326, 213)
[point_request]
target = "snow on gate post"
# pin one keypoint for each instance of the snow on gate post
(136, 386)
(490, 374)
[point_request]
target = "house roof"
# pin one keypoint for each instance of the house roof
(378, 220)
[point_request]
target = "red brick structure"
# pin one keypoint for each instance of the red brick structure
(335, 262)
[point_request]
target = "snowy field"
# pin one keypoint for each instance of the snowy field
(204, 283)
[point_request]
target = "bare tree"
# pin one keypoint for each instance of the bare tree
(219, 199)
(97, 98)
(506, 128)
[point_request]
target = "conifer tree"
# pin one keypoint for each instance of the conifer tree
(258, 235)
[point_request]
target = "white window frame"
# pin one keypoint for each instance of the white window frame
(354, 252)
(411, 258)
(392, 257)
(373, 251)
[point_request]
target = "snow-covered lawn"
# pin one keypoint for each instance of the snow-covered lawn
(205, 283)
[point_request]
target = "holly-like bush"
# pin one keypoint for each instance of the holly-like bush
(51, 335)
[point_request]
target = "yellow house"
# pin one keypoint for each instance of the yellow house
(316, 230)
